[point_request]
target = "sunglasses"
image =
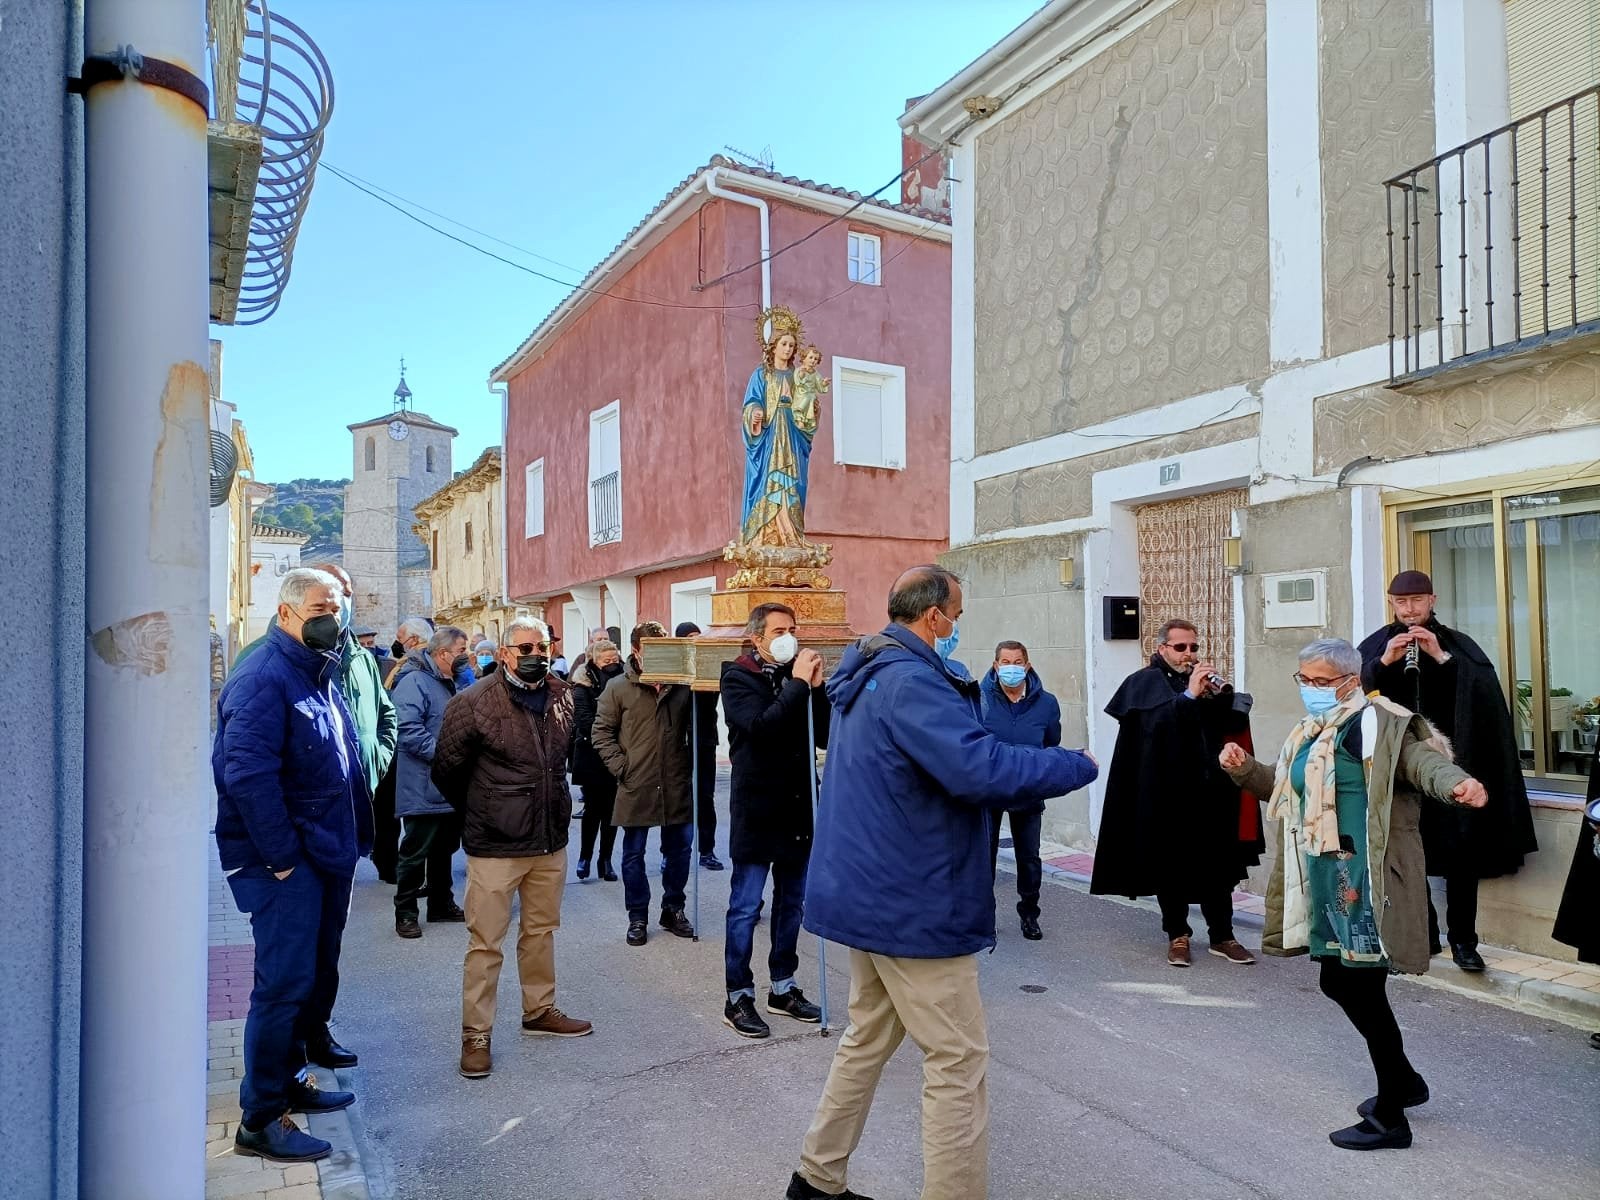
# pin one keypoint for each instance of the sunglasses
(527, 648)
(1183, 647)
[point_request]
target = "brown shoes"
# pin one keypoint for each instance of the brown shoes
(555, 1023)
(1233, 952)
(1178, 952)
(475, 1059)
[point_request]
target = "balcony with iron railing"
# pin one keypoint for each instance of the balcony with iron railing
(1494, 247)
(605, 509)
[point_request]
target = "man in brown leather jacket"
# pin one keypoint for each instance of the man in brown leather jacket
(500, 761)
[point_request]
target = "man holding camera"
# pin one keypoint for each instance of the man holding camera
(1443, 674)
(1174, 825)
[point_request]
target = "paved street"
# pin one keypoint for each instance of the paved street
(1113, 1075)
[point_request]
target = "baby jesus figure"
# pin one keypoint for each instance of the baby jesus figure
(807, 385)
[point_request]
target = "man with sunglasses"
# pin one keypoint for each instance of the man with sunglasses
(500, 760)
(1174, 824)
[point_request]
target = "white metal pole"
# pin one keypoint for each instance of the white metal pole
(822, 945)
(146, 803)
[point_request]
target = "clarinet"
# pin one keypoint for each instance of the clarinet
(1413, 657)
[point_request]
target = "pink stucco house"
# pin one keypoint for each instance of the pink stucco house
(623, 452)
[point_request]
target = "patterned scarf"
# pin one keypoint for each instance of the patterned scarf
(1321, 791)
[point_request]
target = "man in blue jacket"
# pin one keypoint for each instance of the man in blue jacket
(1017, 709)
(293, 814)
(899, 875)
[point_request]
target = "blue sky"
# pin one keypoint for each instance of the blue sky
(555, 126)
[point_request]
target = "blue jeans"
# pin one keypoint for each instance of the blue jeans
(788, 907)
(298, 926)
(676, 842)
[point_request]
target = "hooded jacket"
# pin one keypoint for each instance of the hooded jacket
(420, 696)
(641, 733)
(287, 766)
(900, 864)
(1034, 720)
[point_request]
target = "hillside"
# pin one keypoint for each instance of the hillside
(315, 507)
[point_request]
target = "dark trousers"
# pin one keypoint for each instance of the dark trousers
(676, 842)
(744, 906)
(706, 796)
(1362, 992)
(385, 829)
(1025, 844)
(297, 925)
(1460, 911)
(429, 844)
(1216, 906)
(599, 798)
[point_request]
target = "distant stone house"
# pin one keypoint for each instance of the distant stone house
(460, 526)
(274, 552)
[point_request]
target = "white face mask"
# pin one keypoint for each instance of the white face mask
(783, 648)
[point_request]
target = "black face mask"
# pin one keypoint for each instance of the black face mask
(459, 664)
(612, 671)
(320, 633)
(533, 669)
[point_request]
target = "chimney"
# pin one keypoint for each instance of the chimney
(926, 185)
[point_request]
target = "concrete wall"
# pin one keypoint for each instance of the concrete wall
(1013, 590)
(1121, 229)
(42, 544)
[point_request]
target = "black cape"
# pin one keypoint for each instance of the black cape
(1482, 842)
(1173, 822)
(1578, 918)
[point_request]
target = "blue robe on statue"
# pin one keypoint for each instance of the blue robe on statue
(776, 459)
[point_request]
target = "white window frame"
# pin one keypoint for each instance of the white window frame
(533, 485)
(597, 419)
(854, 242)
(683, 600)
(891, 380)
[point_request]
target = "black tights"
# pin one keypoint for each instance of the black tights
(1362, 993)
(598, 801)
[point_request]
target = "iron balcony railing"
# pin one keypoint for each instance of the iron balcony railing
(1494, 246)
(605, 509)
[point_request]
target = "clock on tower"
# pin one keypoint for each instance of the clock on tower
(399, 430)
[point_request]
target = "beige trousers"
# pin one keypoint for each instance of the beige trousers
(491, 883)
(936, 1001)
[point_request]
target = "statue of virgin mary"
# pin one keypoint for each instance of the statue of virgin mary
(777, 438)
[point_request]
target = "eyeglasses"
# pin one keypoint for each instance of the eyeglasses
(526, 648)
(1307, 681)
(1183, 647)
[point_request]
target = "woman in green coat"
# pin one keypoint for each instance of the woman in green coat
(1348, 882)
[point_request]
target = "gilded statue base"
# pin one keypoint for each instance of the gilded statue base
(813, 609)
(779, 566)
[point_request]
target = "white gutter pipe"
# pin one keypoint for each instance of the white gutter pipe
(503, 390)
(714, 189)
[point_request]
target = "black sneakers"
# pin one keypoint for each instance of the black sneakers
(673, 921)
(793, 1003)
(741, 1017)
(799, 1189)
(638, 933)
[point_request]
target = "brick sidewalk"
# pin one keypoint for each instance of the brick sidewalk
(237, 1176)
(1547, 987)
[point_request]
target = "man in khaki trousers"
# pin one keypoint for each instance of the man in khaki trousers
(900, 874)
(500, 761)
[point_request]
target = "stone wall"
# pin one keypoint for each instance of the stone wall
(1013, 590)
(1121, 229)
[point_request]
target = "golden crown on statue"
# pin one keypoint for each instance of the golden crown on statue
(782, 320)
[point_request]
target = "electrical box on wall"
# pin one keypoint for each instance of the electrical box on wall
(1295, 599)
(1120, 616)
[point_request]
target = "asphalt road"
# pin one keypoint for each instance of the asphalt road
(1112, 1074)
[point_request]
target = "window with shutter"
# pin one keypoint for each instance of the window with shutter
(533, 500)
(869, 413)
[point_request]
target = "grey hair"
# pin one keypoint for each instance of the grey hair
(1336, 652)
(416, 627)
(301, 580)
(486, 644)
(538, 628)
(444, 637)
(603, 646)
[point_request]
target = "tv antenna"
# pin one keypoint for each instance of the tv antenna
(762, 160)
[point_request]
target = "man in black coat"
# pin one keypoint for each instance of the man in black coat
(764, 697)
(1417, 661)
(705, 758)
(1578, 918)
(1174, 825)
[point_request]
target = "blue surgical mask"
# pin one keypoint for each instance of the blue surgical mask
(1319, 701)
(1011, 674)
(484, 660)
(347, 612)
(944, 647)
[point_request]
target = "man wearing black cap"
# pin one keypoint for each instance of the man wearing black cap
(1441, 673)
(705, 754)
